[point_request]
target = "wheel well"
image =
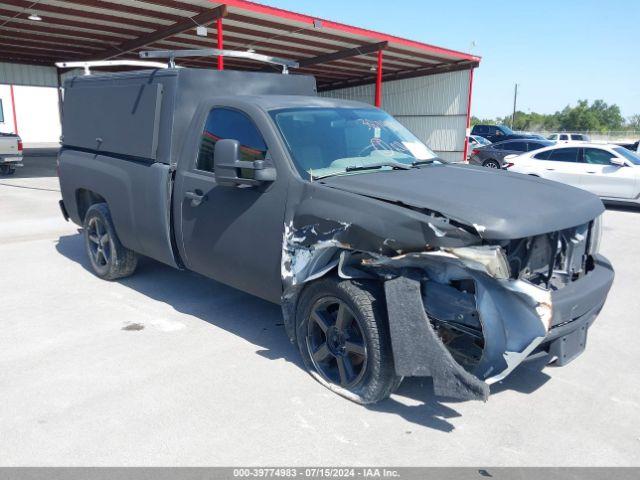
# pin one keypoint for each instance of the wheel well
(85, 198)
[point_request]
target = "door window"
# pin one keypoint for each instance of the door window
(225, 123)
(564, 137)
(597, 156)
(517, 146)
(564, 155)
(1, 112)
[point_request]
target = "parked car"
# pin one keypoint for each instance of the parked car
(496, 133)
(569, 137)
(609, 171)
(10, 153)
(492, 156)
(386, 262)
(633, 146)
(474, 141)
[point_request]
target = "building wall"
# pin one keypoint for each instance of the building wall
(434, 108)
(36, 103)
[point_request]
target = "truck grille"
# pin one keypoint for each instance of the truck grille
(554, 259)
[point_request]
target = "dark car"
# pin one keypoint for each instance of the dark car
(386, 262)
(497, 133)
(492, 156)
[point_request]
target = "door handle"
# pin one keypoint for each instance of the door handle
(591, 172)
(551, 169)
(196, 197)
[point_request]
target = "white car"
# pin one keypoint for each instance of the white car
(10, 153)
(610, 171)
(568, 137)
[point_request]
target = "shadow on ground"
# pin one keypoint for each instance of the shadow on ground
(260, 323)
(35, 166)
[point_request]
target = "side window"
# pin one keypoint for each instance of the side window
(531, 146)
(564, 137)
(553, 137)
(223, 123)
(543, 155)
(481, 129)
(517, 146)
(597, 157)
(1, 112)
(577, 137)
(564, 155)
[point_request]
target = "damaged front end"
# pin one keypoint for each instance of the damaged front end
(462, 309)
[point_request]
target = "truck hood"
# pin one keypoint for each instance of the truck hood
(499, 204)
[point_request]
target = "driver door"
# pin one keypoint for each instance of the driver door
(232, 234)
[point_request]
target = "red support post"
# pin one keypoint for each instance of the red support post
(13, 108)
(378, 99)
(466, 133)
(220, 43)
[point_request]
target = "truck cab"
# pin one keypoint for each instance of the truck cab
(383, 264)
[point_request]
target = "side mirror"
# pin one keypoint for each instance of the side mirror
(618, 162)
(231, 171)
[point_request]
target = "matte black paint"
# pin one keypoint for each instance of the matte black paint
(249, 237)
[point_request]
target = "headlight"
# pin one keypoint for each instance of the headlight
(490, 258)
(595, 238)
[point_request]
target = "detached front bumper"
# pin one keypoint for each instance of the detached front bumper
(575, 308)
(511, 327)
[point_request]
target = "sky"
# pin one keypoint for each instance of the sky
(557, 51)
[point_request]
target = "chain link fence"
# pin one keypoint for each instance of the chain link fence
(629, 136)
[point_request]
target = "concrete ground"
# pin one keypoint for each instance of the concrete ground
(169, 368)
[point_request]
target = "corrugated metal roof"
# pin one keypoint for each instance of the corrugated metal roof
(90, 29)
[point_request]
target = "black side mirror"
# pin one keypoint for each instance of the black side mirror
(231, 171)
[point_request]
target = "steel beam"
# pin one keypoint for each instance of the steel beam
(204, 18)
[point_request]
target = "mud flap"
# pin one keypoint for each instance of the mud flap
(417, 349)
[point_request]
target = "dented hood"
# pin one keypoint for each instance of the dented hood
(500, 204)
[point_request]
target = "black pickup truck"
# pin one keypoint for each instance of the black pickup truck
(387, 262)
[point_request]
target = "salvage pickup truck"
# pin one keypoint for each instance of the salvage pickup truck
(10, 153)
(387, 261)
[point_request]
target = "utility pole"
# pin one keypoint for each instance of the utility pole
(515, 99)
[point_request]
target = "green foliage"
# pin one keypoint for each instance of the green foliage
(597, 117)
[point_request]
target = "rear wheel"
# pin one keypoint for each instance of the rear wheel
(491, 163)
(343, 337)
(7, 170)
(109, 259)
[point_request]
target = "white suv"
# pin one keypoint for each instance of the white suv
(568, 137)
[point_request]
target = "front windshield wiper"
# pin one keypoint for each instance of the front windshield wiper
(374, 165)
(427, 162)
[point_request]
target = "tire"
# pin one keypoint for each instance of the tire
(7, 170)
(491, 163)
(109, 259)
(362, 345)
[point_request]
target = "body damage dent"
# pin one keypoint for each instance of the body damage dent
(514, 315)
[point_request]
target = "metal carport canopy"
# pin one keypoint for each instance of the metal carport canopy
(338, 55)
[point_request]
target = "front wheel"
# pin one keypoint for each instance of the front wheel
(491, 164)
(343, 337)
(109, 259)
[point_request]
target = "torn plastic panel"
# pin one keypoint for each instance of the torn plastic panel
(483, 321)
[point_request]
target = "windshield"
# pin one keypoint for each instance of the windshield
(333, 141)
(628, 154)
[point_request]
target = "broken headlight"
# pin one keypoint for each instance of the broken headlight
(595, 237)
(490, 258)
